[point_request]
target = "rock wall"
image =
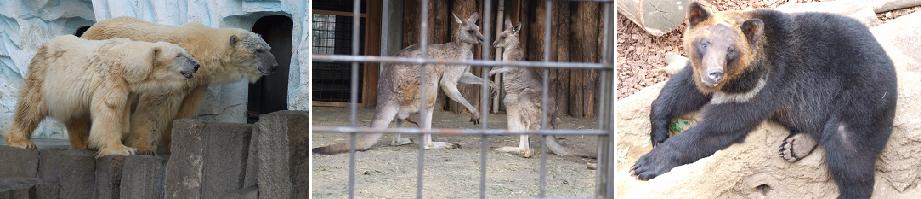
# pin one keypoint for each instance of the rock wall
(26, 24)
(752, 169)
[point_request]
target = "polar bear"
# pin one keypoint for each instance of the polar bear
(86, 85)
(226, 55)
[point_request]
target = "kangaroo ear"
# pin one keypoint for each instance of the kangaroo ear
(508, 23)
(457, 19)
(697, 13)
(517, 28)
(473, 18)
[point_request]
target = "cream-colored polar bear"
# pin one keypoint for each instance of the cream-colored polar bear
(86, 84)
(226, 55)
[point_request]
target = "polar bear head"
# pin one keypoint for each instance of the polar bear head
(251, 53)
(157, 66)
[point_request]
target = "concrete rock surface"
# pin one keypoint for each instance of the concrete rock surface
(752, 169)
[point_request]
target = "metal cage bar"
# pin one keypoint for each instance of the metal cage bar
(425, 119)
(353, 99)
(545, 94)
(606, 132)
(414, 60)
(484, 97)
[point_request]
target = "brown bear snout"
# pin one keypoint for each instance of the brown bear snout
(712, 76)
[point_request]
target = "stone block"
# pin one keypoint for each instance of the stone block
(18, 163)
(108, 177)
(246, 193)
(281, 154)
(225, 156)
(67, 174)
(183, 171)
(143, 177)
(26, 193)
(208, 159)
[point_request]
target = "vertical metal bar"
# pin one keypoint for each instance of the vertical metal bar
(385, 31)
(610, 152)
(423, 47)
(544, 96)
(353, 100)
(484, 95)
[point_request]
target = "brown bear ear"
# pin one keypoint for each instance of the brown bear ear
(752, 29)
(233, 40)
(697, 13)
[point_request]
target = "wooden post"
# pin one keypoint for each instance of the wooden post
(585, 39)
(372, 47)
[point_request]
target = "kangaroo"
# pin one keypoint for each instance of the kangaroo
(523, 89)
(400, 94)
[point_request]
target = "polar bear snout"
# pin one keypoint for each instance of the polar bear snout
(189, 67)
(267, 63)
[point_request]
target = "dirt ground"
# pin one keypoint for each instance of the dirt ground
(390, 171)
(641, 56)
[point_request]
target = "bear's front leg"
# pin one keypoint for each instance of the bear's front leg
(107, 110)
(678, 97)
(722, 125)
(150, 120)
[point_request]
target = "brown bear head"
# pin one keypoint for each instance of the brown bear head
(721, 45)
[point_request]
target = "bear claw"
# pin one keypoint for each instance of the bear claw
(795, 147)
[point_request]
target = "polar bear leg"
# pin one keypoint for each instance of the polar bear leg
(78, 130)
(106, 132)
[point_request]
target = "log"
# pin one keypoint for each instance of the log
(859, 10)
(656, 17)
(880, 6)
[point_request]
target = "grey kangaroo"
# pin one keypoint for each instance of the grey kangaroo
(400, 89)
(523, 95)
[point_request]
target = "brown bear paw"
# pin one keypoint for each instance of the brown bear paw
(116, 150)
(796, 146)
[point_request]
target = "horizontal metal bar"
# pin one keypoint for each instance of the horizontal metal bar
(412, 60)
(457, 132)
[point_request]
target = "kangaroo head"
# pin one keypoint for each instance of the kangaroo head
(469, 31)
(509, 37)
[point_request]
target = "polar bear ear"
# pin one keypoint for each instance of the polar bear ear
(234, 40)
(139, 70)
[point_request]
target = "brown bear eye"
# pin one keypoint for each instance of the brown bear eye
(733, 53)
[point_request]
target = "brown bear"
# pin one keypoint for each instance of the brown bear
(226, 55)
(86, 84)
(821, 75)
